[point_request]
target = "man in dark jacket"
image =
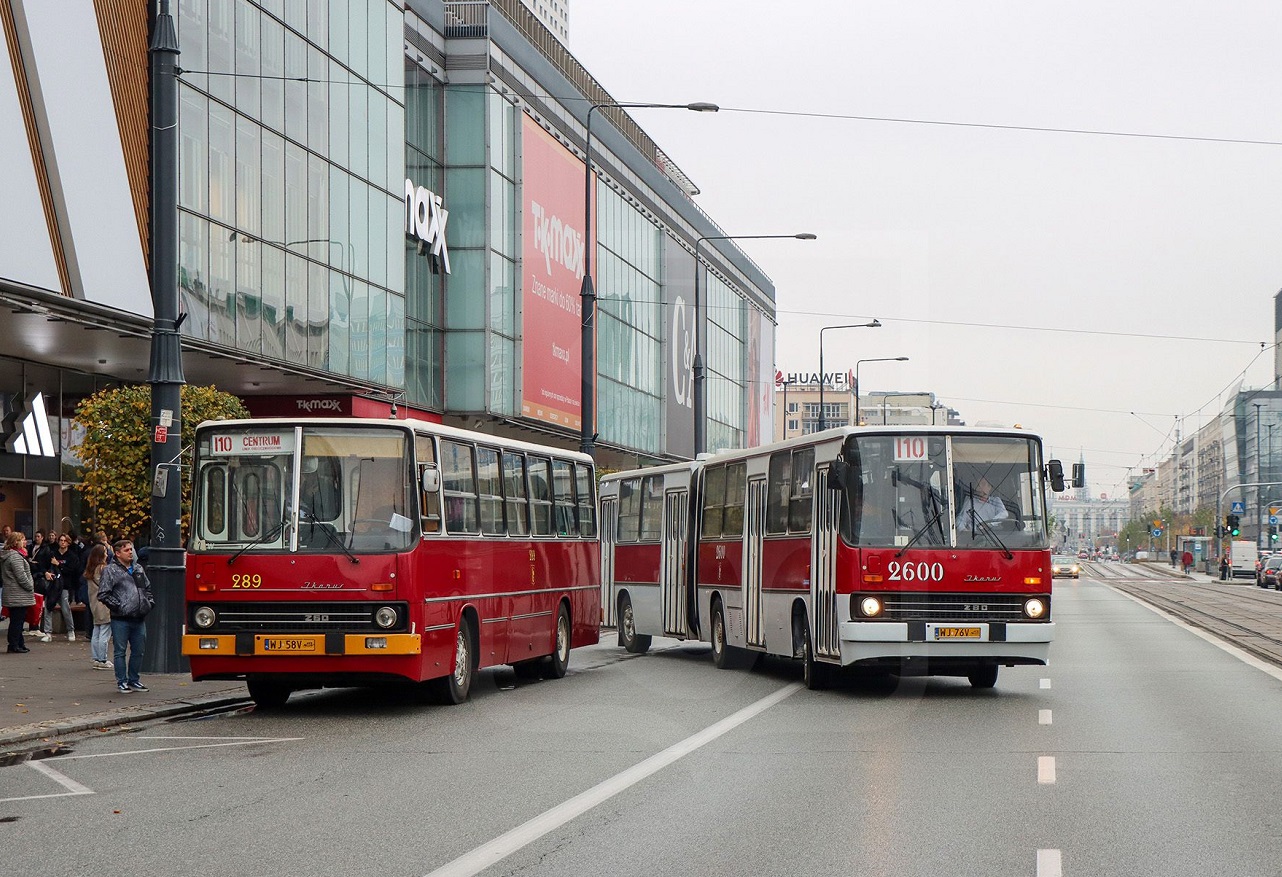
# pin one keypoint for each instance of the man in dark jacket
(124, 588)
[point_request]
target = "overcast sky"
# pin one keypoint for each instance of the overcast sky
(1060, 281)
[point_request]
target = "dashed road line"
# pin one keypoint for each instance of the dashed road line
(1046, 770)
(1049, 863)
(1043, 717)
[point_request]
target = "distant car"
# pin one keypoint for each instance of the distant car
(1271, 573)
(1064, 566)
(1081, 555)
(1140, 555)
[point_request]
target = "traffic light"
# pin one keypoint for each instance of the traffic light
(1233, 524)
(1273, 533)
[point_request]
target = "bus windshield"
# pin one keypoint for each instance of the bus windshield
(312, 489)
(944, 491)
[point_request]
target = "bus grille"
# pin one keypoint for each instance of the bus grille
(955, 607)
(299, 618)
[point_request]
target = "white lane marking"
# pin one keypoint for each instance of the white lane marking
(1046, 770)
(1045, 683)
(1211, 638)
(239, 742)
(1043, 717)
(72, 787)
(1049, 863)
(504, 845)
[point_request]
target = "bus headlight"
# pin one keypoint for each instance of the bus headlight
(204, 617)
(1034, 607)
(869, 607)
(385, 617)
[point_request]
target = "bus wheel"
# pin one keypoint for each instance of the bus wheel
(633, 642)
(560, 657)
(813, 673)
(454, 688)
(984, 677)
(720, 651)
(268, 695)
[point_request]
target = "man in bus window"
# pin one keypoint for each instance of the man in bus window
(978, 502)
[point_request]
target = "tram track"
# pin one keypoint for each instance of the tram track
(1250, 621)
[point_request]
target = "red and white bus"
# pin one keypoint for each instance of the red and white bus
(918, 551)
(338, 552)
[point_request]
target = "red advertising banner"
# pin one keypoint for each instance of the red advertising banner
(553, 247)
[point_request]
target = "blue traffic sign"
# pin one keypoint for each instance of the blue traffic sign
(1238, 508)
(1157, 531)
(1273, 519)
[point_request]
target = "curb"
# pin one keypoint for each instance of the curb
(117, 717)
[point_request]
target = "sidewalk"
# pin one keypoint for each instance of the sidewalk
(54, 690)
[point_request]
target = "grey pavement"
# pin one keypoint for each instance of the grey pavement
(54, 690)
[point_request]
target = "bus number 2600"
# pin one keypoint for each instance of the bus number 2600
(915, 572)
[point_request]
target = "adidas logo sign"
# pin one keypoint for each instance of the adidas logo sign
(30, 431)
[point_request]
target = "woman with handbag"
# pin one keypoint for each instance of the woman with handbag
(101, 634)
(17, 588)
(61, 569)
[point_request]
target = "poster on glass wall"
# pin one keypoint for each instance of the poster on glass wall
(552, 253)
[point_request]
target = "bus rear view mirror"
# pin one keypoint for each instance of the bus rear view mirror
(1055, 472)
(837, 475)
(431, 480)
(1079, 474)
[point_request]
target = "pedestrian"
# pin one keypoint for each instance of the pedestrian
(1186, 559)
(1224, 567)
(61, 571)
(1174, 554)
(101, 615)
(126, 592)
(17, 587)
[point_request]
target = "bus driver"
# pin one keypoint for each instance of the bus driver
(981, 504)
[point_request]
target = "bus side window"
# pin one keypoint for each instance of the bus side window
(714, 496)
(563, 495)
(800, 505)
(516, 492)
(652, 508)
(490, 486)
(780, 489)
(585, 488)
(629, 510)
(215, 501)
(736, 492)
(459, 481)
(540, 496)
(429, 503)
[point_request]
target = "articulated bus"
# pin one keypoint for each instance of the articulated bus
(914, 551)
(343, 552)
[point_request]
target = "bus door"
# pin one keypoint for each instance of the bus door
(609, 530)
(823, 567)
(672, 565)
(755, 531)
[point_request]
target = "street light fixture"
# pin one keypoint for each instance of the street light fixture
(875, 324)
(700, 414)
(786, 385)
(587, 443)
(861, 362)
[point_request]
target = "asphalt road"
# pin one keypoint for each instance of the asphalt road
(1143, 749)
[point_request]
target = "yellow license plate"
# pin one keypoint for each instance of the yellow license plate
(289, 645)
(958, 633)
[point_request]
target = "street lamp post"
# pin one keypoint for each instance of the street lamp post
(875, 324)
(587, 442)
(861, 362)
(700, 404)
(166, 563)
(1258, 510)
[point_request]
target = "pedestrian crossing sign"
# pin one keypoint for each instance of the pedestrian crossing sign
(1239, 508)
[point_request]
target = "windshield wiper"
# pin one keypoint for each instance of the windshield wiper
(329, 534)
(934, 519)
(987, 531)
(268, 537)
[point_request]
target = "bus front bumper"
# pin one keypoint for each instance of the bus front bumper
(872, 640)
(301, 645)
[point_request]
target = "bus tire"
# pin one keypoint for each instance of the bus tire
(454, 688)
(559, 660)
(632, 642)
(722, 654)
(268, 695)
(984, 677)
(813, 673)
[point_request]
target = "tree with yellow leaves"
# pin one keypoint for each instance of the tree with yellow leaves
(116, 451)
